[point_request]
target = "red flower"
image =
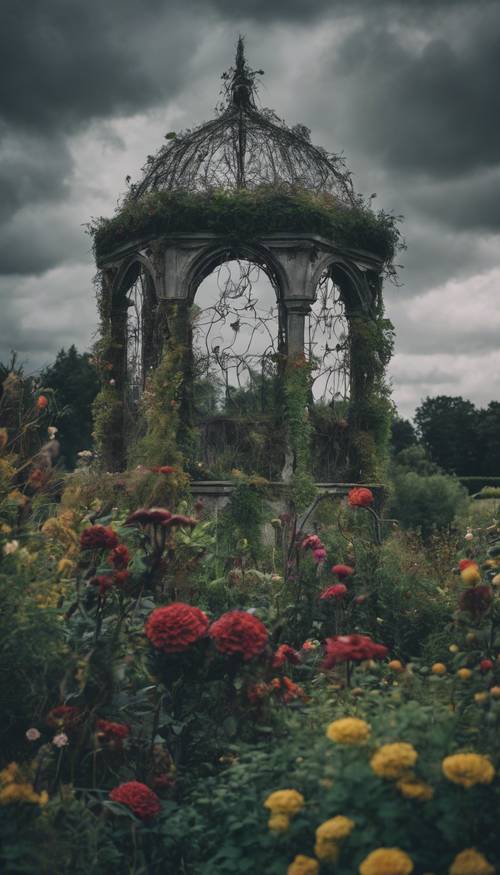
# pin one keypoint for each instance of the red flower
(476, 600)
(98, 538)
(120, 577)
(352, 647)
(239, 633)
(119, 557)
(311, 542)
(67, 717)
(139, 798)
(486, 665)
(360, 599)
(112, 731)
(257, 692)
(163, 781)
(342, 570)
(103, 581)
(360, 497)
(283, 654)
(42, 402)
(465, 563)
(176, 627)
(337, 591)
(162, 469)
(292, 690)
(319, 555)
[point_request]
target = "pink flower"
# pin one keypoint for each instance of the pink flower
(311, 542)
(319, 555)
(337, 591)
(342, 570)
(32, 734)
(60, 740)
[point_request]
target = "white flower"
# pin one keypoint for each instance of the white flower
(32, 734)
(112, 382)
(52, 430)
(60, 740)
(10, 547)
(85, 454)
(469, 536)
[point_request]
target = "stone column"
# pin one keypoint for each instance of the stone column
(296, 312)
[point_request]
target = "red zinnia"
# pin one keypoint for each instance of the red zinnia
(112, 731)
(337, 591)
(119, 557)
(283, 654)
(342, 570)
(139, 798)
(162, 469)
(476, 600)
(486, 665)
(103, 581)
(352, 647)
(176, 627)
(239, 633)
(98, 537)
(360, 496)
(66, 717)
(311, 542)
(120, 577)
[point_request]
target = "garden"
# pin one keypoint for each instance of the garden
(303, 692)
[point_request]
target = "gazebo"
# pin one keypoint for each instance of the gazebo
(245, 188)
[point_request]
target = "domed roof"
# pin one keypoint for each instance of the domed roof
(243, 147)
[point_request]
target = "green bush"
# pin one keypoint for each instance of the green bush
(426, 503)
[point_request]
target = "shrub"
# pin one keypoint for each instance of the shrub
(426, 503)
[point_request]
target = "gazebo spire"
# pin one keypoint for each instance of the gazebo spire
(242, 87)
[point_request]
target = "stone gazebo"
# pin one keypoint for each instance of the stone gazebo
(245, 186)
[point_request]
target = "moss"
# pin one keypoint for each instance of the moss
(246, 215)
(107, 411)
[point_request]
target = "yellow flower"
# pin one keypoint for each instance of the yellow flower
(326, 851)
(471, 862)
(393, 760)
(278, 823)
(386, 861)
(65, 565)
(481, 698)
(468, 769)
(9, 774)
(348, 730)
(303, 866)
(438, 668)
(410, 788)
(24, 792)
(470, 575)
(287, 802)
(454, 648)
(464, 674)
(335, 829)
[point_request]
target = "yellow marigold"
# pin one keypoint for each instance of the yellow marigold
(326, 851)
(410, 788)
(471, 862)
(9, 774)
(349, 730)
(303, 865)
(438, 668)
(335, 829)
(464, 674)
(393, 760)
(468, 769)
(21, 793)
(470, 575)
(278, 823)
(386, 861)
(287, 802)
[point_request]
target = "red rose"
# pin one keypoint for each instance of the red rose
(337, 591)
(486, 665)
(360, 497)
(103, 581)
(176, 627)
(283, 654)
(67, 717)
(355, 648)
(112, 731)
(342, 570)
(119, 557)
(239, 633)
(139, 798)
(98, 537)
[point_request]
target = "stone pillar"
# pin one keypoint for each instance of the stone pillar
(296, 312)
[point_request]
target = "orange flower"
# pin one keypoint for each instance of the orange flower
(42, 402)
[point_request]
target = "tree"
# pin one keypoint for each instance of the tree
(488, 436)
(75, 384)
(403, 434)
(447, 426)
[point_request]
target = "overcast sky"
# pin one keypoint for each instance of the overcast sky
(406, 89)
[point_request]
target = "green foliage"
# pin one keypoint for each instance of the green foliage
(244, 216)
(107, 410)
(297, 388)
(447, 427)
(75, 384)
(476, 484)
(403, 435)
(426, 503)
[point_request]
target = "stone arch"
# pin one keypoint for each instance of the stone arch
(217, 254)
